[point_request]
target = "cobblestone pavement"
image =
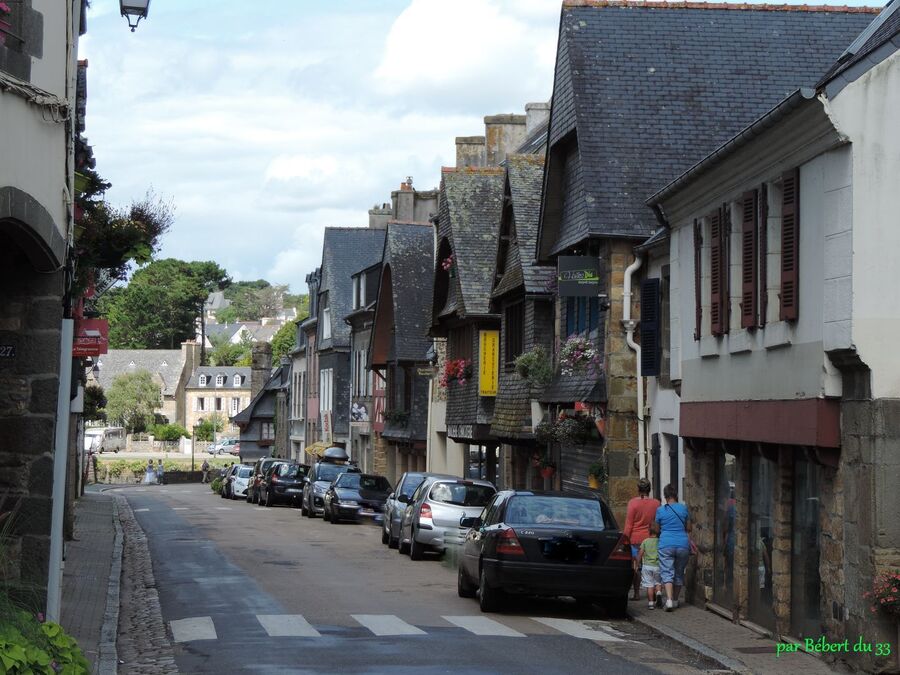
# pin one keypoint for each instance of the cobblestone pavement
(143, 645)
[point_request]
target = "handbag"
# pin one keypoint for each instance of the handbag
(693, 547)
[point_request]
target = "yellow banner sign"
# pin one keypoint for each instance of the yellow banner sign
(488, 362)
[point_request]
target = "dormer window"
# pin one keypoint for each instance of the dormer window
(203, 380)
(220, 380)
(238, 380)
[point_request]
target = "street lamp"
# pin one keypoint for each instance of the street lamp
(134, 11)
(193, 441)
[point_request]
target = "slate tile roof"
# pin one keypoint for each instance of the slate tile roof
(470, 218)
(512, 409)
(228, 371)
(345, 251)
(566, 388)
(164, 364)
(655, 86)
(277, 380)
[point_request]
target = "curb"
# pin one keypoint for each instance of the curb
(109, 658)
(699, 647)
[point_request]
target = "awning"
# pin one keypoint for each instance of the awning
(318, 448)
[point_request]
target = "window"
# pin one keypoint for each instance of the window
(218, 404)
(361, 375)
(220, 380)
(356, 299)
(200, 404)
(326, 317)
(235, 405)
(359, 291)
(460, 343)
(267, 431)
(203, 380)
(582, 315)
(325, 389)
(512, 332)
(238, 380)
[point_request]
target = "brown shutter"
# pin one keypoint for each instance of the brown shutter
(790, 245)
(716, 263)
(749, 281)
(763, 246)
(698, 292)
(726, 267)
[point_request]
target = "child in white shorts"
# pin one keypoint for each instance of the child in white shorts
(648, 560)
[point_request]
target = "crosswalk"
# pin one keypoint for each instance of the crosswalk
(389, 625)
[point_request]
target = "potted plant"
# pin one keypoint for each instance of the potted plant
(596, 475)
(573, 430)
(535, 367)
(578, 356)
(544, 432)
(548, 467)
(456, 370)
(396, 417)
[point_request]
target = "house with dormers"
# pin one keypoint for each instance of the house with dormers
(641, 90)
(522, 296)
(780, 248)
(264, 423)
(220, 391)
(400, 345)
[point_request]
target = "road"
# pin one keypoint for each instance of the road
(248, 589)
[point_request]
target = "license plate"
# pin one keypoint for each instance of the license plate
(293, 491)
(367, 512)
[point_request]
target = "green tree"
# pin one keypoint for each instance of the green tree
(299, 302)
(159, 306)
(170, 432)
(284, 341)
(132, 400)
(204, 430)
(94, 403)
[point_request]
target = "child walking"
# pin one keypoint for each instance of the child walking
(648, 560)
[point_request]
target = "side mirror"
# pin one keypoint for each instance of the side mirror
(403, 499)
(470, 522)
(390, 496)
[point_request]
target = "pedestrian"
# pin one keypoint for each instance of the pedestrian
(94, 465)
(674, 544)
(149, 473)
(638, 518)
(205, 469)
(160, 473)
(648, 561)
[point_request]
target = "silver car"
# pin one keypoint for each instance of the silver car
(396, 503)
(431, 519)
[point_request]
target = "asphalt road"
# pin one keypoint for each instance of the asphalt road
(248, 589)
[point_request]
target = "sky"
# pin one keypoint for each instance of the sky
(264, 121)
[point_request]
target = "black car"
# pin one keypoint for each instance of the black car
(355, 495)
(283, 484)
(320, 477)
(260, 469)
(546, 544)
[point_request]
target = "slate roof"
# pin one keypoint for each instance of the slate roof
(216, 301)
(409, 251)
(279, 379)
(267, 332)
(228, 371)
(512, 409)
(567, 388)
(225, 330)
(880, 39)
(471, 202)
(345, 251)
(164, 364)
(524, 179)
(655, 85)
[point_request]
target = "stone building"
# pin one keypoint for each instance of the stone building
(298, 396)
(310, 327)
(400, 345)
(220, 391)
(264, 423)
(790, 393)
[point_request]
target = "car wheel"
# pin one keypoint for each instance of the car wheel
(402, 548)
(416, 550)
(617, 607)
(268, 499)
(585, 605)
(464, 587)
(302, 508)
(325, 515)
(489, 598)
(384, 536)
(393, 542)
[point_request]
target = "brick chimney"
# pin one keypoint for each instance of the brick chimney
(379, 216)
(535, 115)
(469, 151)
(503, 134)
(260, 366)
(404, 201)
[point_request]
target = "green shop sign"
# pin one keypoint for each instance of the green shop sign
(578, 276)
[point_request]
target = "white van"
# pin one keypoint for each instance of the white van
(109, 439)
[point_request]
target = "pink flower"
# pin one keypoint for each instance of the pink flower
(5, 8)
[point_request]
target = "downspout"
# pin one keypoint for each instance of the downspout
(629, 324)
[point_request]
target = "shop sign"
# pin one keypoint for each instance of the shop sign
(578, 276)
(91, 337)
(488, 362)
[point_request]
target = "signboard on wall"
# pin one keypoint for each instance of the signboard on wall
(91, 337)
(327, 432)
(488, 362)
(578, 276)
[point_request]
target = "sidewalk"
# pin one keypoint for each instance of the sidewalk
(735, 647)
(86, 580)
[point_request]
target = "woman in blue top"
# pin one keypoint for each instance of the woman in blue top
(674, 544)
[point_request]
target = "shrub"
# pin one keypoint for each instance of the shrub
(598, 471)
(170, 432)
(216, 485)
(535, 367)
(204, 430)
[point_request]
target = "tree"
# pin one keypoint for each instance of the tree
(132, 400)
(204, 430)
(170, 432)
(159, 307)
(284, 341)
(94, 403)
(298, 302)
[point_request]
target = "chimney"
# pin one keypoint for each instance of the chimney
(503, 134)
(535, 115)
(260, 366)
(190, 354)
(469, 151)
(404, 201)
(379, 216)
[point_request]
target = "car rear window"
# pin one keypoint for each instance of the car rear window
(376, 483)
(568, 511)
(331, 471)
(244, 472)
(290, 470)
(462, 494)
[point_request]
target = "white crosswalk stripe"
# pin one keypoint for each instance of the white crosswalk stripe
(387, 624)
(481, 625)
(287, 625)
(581, 629)
(196, 628)
(181, 508)
(223, 508)
(140, 510)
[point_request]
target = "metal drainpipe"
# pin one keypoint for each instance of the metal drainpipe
(629, 324)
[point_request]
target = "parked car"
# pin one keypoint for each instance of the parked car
(240, 479)
(224, 446)
(259, 472)
(227, 479)
(394, 507)
(283, 483)
(431, 520)
(547, 544)
(355, 495)
(108, 439)
(333, 463)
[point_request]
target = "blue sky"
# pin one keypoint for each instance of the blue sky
(266, 120)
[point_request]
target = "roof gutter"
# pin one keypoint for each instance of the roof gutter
(761, 125)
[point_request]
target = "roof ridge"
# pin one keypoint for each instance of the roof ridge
(687, 4)
(483, 170)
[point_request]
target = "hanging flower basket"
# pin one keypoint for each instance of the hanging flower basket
(548, 471)
(456, 370)
(579, 356)
(544, 432)
(885, 594)
(448, 266)
(573, 430)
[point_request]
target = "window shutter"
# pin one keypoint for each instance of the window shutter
(715, 272)
(726, 266)
(650, 328)
(749, 253)
(698, 289)
(790, 245)
(763, 252)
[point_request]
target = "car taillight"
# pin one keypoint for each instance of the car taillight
(425, 511)
(622, 551)
(508, 543)
(274, 478)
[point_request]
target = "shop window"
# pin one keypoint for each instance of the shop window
(512, 333)
(806, 618)
(761, 542)
(726, 529)
(582, 315)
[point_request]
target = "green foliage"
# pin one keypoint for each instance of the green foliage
(228, 354)
(40, 648)
(535, 366)
(132, 400)
(284, 341)
(598, 471)
(300, 302)
(216, 485)
(170, 432)
(204, 430)
(94, 403)
(158, 307)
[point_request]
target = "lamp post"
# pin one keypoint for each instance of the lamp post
(193, 441)
(134, 11)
